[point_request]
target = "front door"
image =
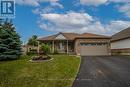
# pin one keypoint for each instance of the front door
(61, 47)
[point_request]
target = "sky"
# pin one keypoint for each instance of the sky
(47, 17)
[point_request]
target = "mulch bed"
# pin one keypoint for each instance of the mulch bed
(41, 58)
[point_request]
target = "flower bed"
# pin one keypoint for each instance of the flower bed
(41, 58)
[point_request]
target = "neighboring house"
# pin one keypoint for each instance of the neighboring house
(80, 44)
(24, 49)
(120, 43)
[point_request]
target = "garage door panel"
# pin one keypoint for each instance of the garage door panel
(94, 50)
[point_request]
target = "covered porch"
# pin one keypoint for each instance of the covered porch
(61, 46)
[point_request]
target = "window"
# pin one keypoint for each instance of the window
(92, 44)
(60, 37)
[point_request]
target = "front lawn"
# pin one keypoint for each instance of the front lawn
(59, 72)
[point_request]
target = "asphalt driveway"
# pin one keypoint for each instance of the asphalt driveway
(103, 72)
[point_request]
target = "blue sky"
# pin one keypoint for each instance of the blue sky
(46, 17)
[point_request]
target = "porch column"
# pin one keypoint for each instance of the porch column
(38, 48)
(67, 47)
(53, 46)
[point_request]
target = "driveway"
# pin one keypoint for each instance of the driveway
(103, 72)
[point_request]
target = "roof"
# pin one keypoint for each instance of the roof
(68, 36)
(73, 36)
(90, 35)
(121, 35)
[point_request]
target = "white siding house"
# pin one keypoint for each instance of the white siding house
(120, 43)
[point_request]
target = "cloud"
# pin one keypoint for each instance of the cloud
(116, 26)
(119, 1)
(100, 2)
(123, 5)
(93, 2)
(80, 23)
(28, 2)
(37, 2)
(72, 17)
(47, 9)
(55, 4)
(125, 9)
(37, 11)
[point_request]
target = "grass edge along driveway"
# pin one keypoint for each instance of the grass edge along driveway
(59, 72)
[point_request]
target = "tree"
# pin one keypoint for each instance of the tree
(45, 48)
(33, 41)
(10, 44)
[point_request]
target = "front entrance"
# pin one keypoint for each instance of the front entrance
(63, 46)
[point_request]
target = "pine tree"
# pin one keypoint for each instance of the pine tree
(10, 44)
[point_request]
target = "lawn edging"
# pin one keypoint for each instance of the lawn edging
(77, 70)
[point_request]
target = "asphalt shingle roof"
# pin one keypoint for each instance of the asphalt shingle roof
(121, 35)
(72, 36)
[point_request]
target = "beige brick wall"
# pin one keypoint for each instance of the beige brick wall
(78, 41)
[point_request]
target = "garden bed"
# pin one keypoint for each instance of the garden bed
(41, 58)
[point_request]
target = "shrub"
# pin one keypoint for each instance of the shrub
(45, 48)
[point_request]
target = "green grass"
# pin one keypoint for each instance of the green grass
(59, 72)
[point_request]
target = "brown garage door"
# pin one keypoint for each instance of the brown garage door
(93, 49)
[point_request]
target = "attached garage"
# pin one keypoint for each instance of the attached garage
(93, 45)
(93, 49)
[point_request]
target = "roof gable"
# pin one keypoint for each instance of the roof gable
(60, 36)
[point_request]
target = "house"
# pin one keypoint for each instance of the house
(24, 49)
(81, 44)
(120, 43)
